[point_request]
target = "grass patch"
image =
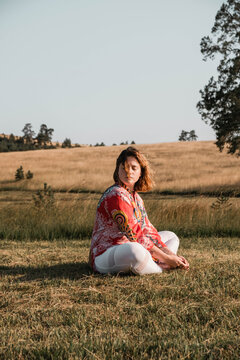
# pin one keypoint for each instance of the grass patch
(72, 216)
(53, 307)
(194, 216)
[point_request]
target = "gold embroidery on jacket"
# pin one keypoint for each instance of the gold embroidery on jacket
(122, 220)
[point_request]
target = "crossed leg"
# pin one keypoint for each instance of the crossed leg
(133, 257)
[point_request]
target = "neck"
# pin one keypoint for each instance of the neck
(130, 189)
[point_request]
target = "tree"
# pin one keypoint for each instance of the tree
(183, 136)
(192, 136)
(67, 143)
(29, 175)
(28, 133)
(124, 143)
(45, 135)
(220, 103)
(11, 138)
(19, 175)
(188, 136)
(4, 145)
(101, 144)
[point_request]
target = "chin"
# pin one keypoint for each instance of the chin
(130, 185)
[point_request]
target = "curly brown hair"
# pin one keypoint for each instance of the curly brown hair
(145, 181)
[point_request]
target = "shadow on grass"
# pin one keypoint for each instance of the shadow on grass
(3, 182)
(72, 271)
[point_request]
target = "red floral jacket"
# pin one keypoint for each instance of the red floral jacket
(121, 217)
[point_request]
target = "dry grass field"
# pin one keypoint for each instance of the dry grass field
(178, 167)
(72, 216)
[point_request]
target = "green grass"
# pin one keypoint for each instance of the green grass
(53, 307)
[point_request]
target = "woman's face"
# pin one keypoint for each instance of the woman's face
(132, 173)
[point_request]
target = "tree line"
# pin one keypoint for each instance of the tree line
(42, 140)
(31, 141)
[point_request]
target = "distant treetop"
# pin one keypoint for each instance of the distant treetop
(188, 136)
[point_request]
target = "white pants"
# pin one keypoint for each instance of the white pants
(133, 257)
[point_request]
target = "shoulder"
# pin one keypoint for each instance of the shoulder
(113, 192)
(116, 193)
(116, 189)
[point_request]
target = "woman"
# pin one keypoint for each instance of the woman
(123, 238)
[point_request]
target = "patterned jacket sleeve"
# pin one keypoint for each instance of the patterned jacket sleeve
(151, 232)
(121, 210)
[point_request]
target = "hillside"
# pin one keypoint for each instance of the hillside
(178, 167)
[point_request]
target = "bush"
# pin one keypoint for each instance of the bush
(124, 143)
(67, 143)
(29, 175)
(101, 144)
(19, 175)
(44, 198)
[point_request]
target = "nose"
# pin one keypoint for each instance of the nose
(130, 171)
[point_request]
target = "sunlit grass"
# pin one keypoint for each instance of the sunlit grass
(184, 167)
(53, 307)
(72, 216)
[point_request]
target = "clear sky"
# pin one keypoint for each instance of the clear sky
(106, 70)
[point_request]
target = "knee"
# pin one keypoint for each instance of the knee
(175, 238)
(133, 255)
(139, 258)
(138, 252)
(172, 242)
(170, 235)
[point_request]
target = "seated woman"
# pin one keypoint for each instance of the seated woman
(123, 238)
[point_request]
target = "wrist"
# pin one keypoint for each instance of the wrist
(158, 254)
